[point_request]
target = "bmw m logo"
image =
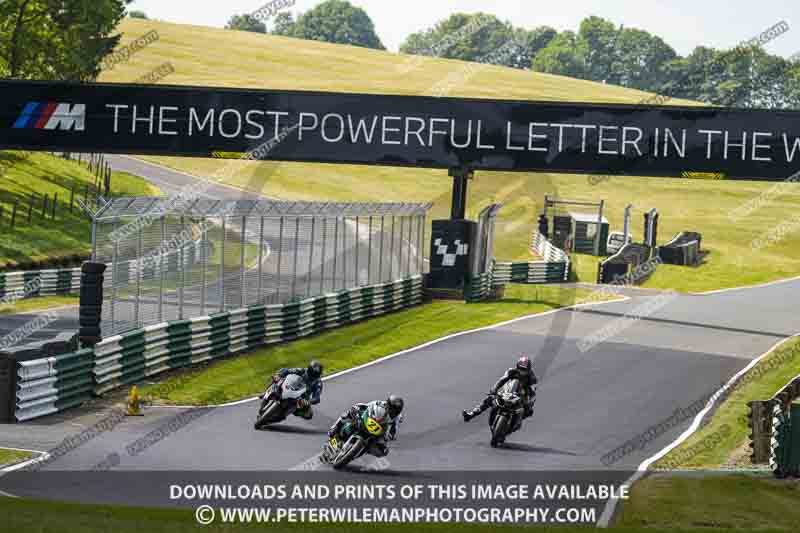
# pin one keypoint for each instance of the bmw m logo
(52, 116)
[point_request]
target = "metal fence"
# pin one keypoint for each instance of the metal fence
(173, 261)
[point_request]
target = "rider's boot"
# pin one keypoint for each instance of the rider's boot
(470, 414)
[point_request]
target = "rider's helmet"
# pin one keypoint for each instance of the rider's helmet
(395, 405)
(524, 364)
(375, 418)
(314, 370)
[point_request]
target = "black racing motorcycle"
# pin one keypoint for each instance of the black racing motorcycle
(280, 400)
(507, 411)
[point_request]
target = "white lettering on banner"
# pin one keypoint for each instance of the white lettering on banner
(544, 138)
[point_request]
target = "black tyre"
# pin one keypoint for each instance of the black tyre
(269, 412)
(499, 430)
(352, 450)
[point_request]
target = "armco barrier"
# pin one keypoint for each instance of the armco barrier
(40, 282)
(479, 287)
(761, 420)
(50, 385)
(58, 282)
(553, 269)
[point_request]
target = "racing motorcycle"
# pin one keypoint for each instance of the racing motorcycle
(506, 413)
(280, 400)
(354, 440)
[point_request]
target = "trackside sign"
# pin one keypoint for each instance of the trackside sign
(401, 130)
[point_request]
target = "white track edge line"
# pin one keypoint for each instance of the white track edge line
(415, 348)
(43, 456)
(611, 504)
(746, 287)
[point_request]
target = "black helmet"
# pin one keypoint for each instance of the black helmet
(524, 364)
(395, 404)
(314, 369)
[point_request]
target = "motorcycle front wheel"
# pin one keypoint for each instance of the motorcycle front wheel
(499, 430)
(351, 451)
(267, 413)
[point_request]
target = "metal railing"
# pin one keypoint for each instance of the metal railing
(172, 260)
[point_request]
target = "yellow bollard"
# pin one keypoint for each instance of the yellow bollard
(134, 402)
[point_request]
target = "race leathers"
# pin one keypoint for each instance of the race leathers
(354, 415)
(527, 381)
(314, 390)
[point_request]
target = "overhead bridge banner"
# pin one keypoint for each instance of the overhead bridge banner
(695, 142)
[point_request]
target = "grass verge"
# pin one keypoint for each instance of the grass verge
(339, 349)
(40, 303)
(728, 429)
(25, 516)
(9, 457)
(712, 502)
(33, 174)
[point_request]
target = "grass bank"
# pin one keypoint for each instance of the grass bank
(339, 349)
(41, 303)
(44, 239)
(9, 457)
(712, 502)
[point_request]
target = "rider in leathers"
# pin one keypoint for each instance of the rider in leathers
(312, 375)
(393, 405)
(523, 372)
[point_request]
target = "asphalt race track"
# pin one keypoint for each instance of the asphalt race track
(588, 403)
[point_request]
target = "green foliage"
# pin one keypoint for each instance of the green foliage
(332, 21)
(57, 39)
(461, 36)
(137, 14)
(284, 24)
(246, 22)
(745, 76)
(564, 55)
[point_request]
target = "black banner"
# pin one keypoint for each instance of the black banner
(693, 142)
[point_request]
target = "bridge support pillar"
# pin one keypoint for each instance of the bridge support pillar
(450, 242)
(461, 177)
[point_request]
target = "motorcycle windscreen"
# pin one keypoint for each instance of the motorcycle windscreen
(511, 387)
(293, 386)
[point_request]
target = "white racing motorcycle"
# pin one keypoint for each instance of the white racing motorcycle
(281, 399)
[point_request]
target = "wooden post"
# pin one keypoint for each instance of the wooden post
(55, 203)
(44, 207)
(71, 197)
(30, 208)
(14, 213)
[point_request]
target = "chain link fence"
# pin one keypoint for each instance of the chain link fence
(171, 262)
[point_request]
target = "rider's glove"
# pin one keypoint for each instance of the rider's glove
(331, 432)
(275, 379)
(302, 403)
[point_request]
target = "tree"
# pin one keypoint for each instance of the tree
(57, 39)
(640, 60)
(136, 14)
(564, 55)
(337, 21)
(284, 24)
(476, 37)
(598, 38)
(531, 42)
(246, 22)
